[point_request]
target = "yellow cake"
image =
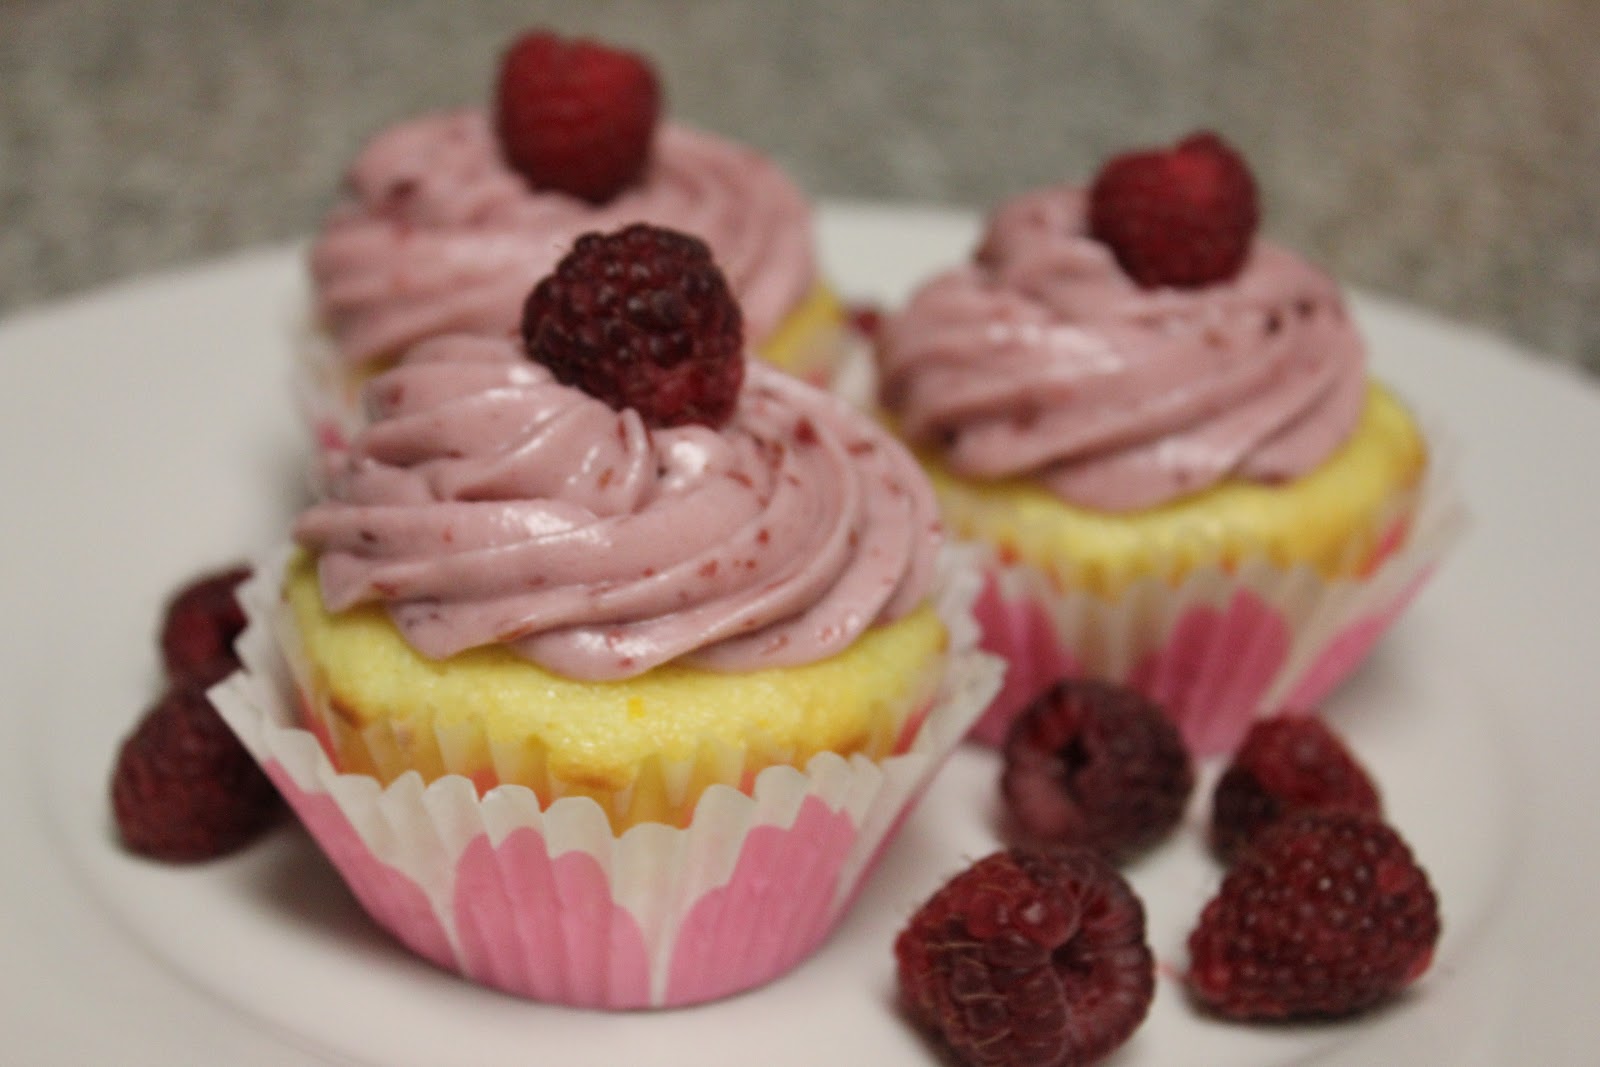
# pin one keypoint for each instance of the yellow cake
(645, 748)
(1334, 519)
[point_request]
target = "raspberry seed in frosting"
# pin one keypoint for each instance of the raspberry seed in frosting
(641, 318)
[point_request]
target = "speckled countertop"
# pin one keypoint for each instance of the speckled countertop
(1443, 152)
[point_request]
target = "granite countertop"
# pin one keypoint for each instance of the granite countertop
(1442, 153)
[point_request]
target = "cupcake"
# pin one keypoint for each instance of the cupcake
(448, 219)
(1162, 432)
(604, 675)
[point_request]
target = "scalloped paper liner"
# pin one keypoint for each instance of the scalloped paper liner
(1222, 648)
(552, 904)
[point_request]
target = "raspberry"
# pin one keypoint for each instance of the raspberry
(1029, 958)
(1286, 763)
(1095, 764)
(641, 318)
(576, 116)
(1328, 914)
(184, 788)
(202, 619)
(1181, 217)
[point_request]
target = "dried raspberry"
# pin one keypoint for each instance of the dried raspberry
(1029, 959)
(641, 318)
(184, 788)
(576, 116)
(197, 633)
(1182, 217)
(1095, 764)
(1286, 763)
(1326, 915)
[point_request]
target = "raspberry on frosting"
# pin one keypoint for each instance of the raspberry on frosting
(1183, 216)
(641, 318)
(577, 116)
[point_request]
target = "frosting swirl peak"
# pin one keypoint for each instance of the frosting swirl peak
(438, 235)
(1042, 359)
(487, 503)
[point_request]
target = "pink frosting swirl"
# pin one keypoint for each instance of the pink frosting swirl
(1042, 359)
(437, 235)
(487, 503)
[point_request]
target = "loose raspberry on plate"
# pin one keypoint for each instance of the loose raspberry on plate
(1182, 216)
(1029, 959)
(201, 621)
(576, 116)
(1095, 764)
(1285, 763)
(641, 318)
(1327, 914)
(184, 788)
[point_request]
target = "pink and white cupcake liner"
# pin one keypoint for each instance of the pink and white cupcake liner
(552, 904)
(1222, 648)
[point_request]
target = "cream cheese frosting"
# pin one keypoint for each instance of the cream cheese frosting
(487, 503)
(438, 235)
(1041, 359)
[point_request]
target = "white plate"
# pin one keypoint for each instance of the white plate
(146, 433)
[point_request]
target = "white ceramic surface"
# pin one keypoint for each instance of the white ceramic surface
(147, 434)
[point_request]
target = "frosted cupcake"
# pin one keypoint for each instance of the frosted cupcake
(648, 675)
(1162, 430)
(449, 219)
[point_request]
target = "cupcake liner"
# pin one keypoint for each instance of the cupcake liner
(1222, 647)
(661, 789)
(551, 903)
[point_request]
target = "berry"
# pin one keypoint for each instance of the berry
(576, 116)
(1095, 764)
(1326, 915)
(184, 788)
(1286, 763)
(1029, 959)
(201, 621)
(1181, 217)
(641, 318)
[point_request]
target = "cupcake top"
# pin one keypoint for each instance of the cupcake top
(1044, 358)
(488, 503)
(439, 234)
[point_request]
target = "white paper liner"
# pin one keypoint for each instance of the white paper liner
(1220, 648)
(522, 898)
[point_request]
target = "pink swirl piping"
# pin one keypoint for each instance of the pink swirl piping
(1042, 359)
(437, 235)
(487, 503)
